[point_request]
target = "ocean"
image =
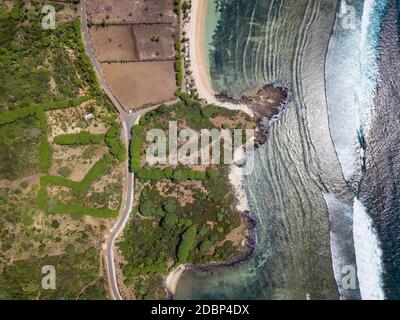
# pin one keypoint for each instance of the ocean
(324, 188)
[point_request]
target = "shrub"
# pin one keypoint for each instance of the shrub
(179, 176)
(211, 174)
(205, 246)
(147, 208)
(86, 65)
(12, 116)
(135, 148)
(55, 224)
(41, 199)
(169, 206)
(178, 45)
(169, 221)
(81, 138)
(57, 105)
(179, 63)
(208, 111)
(168, 172)
(179, 71)
(24, 184)
(77, 211)
(187, 174)
(94, 173)
(45, 150)
(151, 174)
(64, 172)
(186, 244)
(45, 153)
(115, 145)
(186, 98)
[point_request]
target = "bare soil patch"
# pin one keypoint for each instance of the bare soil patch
(139, 84)
(128, 11)
(7, 5)
(155, 41)
(114, 43)
(67, 14)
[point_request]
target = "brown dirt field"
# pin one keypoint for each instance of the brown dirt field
(128, 11)
(141, 83)
(155, 41)
(67, 14)
(114, 43)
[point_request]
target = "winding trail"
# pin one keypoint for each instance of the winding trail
(127, 120)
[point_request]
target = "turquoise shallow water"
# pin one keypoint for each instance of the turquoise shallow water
(211, 22)
(257, 42)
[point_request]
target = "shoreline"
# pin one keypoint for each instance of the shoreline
(172, 279)
(249, 243)
(195, 32)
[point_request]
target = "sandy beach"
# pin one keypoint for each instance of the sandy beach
(172, 279)
(236, 176)
(195, 30)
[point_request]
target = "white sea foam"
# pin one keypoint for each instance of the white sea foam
(341, 235)
(368, 255)
(369, 35)
(342, 73)
(351, 79)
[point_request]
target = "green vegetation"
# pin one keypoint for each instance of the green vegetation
(44, 149)
(42, 71)
(70, 36)
(116, 149)
(11, 117)
(81, 138)
(70, 209)
(178, 175)
(99, 169)
(64, 172)
(186, 7)
(31, 58)
(179, 63)
(177, 6)
(85, 64)
(135, 148)
(23, 113)
(186, 244)
(77, 277)
(114, 143)
(184, 214)
(81, 187)
(19, 144)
